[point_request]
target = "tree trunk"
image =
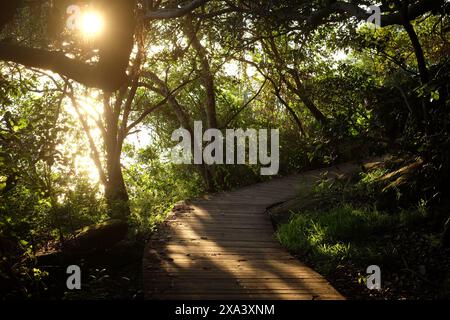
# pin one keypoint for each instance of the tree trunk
(208, 173)
(300, 90)
(115, 190)
(421, 113)
(418, 51)
(207, 77)
(293, 114)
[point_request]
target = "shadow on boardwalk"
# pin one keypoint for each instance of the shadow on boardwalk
(222, 247)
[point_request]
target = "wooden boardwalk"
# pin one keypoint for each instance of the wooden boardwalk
(223, 247)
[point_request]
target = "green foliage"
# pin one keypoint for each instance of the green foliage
(331, 236)
(363, 82)
(343, 232)
(41, 198)
(154, 186)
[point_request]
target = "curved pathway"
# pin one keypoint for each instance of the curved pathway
(223, 247)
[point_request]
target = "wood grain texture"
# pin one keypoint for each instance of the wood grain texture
(222, 247)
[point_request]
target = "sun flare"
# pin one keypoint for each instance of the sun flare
(92, 23)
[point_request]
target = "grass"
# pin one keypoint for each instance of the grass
(345, 231)
(342, 232)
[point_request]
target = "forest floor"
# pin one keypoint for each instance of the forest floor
(112, 274)
(339, 227)
(334, 224)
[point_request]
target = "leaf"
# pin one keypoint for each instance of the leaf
(435, 95)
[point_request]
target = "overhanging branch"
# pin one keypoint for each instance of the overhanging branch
(353, 10)
(84, 73)
(162, 14)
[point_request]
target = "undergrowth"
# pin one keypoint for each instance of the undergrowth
(346, 231)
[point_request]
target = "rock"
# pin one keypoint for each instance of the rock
(280, 213)
(97, 237)
(86, 241)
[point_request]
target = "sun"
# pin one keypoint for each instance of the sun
(92, 23)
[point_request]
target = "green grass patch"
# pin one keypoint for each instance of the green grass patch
(349, 227)
(342, 232)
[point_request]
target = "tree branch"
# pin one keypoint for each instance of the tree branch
(86, 74)
(94, 151)
(245, 105)
(162, 14)
(346, 8)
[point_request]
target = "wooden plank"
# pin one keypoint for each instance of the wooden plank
(217, 237)
(247, 296)
(243, 282)
(223, 256)
(224, 219)
(222, 245)
(196, 275)
(220, 266)
(215, 226)
(224, 248)
(192, 264)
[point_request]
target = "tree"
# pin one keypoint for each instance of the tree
(114, 50)
(109, 74)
